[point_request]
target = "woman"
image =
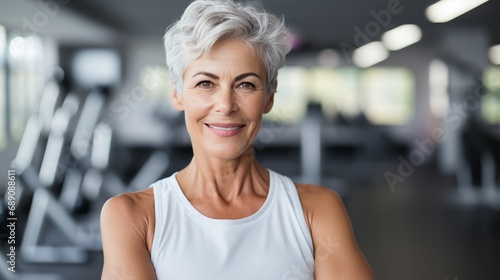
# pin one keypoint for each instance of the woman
(225, 216)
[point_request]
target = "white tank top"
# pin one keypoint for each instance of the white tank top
(273, 243)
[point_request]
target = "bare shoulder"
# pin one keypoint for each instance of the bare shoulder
(317, 201)
(127, 228)
(132, 212)
(313, 192)
(131, 204)
(325, 213)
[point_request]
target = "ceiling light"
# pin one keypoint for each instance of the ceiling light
(370, 54)
(402, 36)
(446, 10)
(495, 54)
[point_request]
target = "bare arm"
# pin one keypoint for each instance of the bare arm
(337, 255)
(124, 230)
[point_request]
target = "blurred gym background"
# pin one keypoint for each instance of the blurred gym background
(394, 104)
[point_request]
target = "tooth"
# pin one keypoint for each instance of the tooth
(225, 128)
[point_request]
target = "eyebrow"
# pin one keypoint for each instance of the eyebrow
(244, 75)
(239, 77)
(208, 74)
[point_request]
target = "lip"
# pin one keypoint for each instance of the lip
(225, 129)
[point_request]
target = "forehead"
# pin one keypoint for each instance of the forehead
(235, 56)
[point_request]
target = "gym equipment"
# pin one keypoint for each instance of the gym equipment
(154, 167)
(55, 144)
(19, 275)
(35, 136)
(91, 112)
(152, 170)
(44, 206)
(67, 167)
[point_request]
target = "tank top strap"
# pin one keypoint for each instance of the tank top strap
(286, 190)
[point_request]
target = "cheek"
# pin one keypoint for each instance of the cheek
(196, 107)
(254, 108)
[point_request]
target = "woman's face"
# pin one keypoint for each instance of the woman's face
(224, 97)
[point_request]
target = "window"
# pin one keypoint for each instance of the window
(3, 89)
(21, 82)
(490, 103)
(388, 95)
(337, 91)
(25, 81)
(385, 95)
(290, 101)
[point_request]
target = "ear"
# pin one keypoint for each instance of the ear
(270, 99)
(177, 99)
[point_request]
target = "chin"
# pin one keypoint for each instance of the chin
(227, 152)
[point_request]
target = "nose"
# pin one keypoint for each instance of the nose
(224, 102)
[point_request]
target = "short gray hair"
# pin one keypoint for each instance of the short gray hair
(204, 22)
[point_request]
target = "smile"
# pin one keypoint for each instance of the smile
(225, 128)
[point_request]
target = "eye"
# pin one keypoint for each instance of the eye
(246, 86)
(205, 84)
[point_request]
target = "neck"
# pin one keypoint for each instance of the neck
(224, 179)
